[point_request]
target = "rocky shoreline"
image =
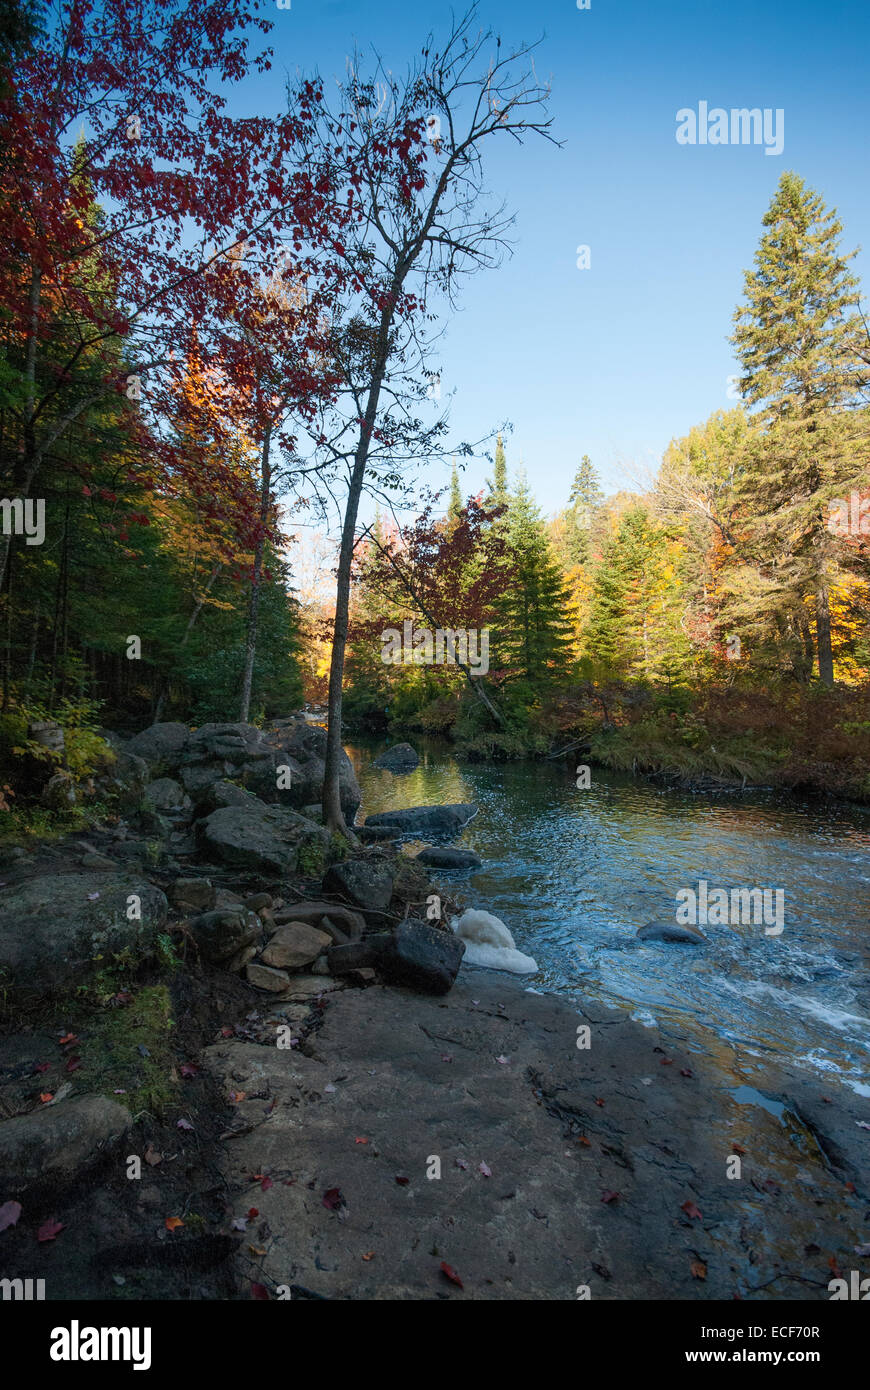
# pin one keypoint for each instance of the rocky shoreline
(239, 1059)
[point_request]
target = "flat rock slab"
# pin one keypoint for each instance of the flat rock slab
(559, 1166)
(445, 857)
(55, 1145)
(445, 820)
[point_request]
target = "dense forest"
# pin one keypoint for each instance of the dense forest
(193, 363)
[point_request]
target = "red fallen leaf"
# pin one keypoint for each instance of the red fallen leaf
(450, 1273)
(598, 1100)
(403, 1182)
(770, 1186)
(9, 1214)
(581, 1139)
(699, 1269)
(260, 1291)
(266, 1184)
(49, 1230)
(360, 1141)
(369, 1256)
(738, 1149)
(236, 1097)
(666, 1061)
(122, 997)
(252, 1213)
(608, 1195)
(332, 1199)
(686, 1071)
(189, 1068)
(46, 1096)
(227, 1032)
(850, 1187)
(44, 1067)
(172, 1223)
(834, 1267)
(69, 1038)
(73, 1064)
(691, 1210)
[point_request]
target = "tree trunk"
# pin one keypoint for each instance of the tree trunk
(254, 603)
(823, 635)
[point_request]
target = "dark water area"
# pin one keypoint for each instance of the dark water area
(574, 874)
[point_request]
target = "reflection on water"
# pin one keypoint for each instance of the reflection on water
(575, 873)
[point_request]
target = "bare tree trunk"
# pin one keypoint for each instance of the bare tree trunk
(197, 609)
(254, 602)
(823, 635)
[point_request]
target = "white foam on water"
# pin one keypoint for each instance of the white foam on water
(488, 943)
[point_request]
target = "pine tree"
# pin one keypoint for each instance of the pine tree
(498, 494)
(797, 338)
(533, 632)
(583, 501)
(454, 509)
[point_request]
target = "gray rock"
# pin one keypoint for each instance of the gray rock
(220, 794)
(225, 932)
(54, 1146)
(376, 834)
(420, 957)
(426, 820)
(365, 882)
(671, 931)
(438, 857)
(262, 839)
(342, 923)
(294, 945)
(350, 956)
(197, 893)
(53, 927)
(263, 977)
(399, 759)
(162, 744)
(166, 797)
(302, 747)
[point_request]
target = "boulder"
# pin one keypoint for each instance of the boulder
(294, 945)
(217, 795)
(196, 893)
(419, 956)
(53, 1147)
(365, 882)
(56, 929)
(342, 923)
(161, 744)
(350, 956)
(671, 931)
(444, 857)
(225, 932)
(264, 977)
(444, 821)
(302, 747)
(166, 797)
(399, 759)
(262, 839)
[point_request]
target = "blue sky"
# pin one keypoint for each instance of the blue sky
(615, 360)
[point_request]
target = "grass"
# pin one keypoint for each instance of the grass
(128, 1049)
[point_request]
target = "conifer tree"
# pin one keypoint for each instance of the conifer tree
(533, 630)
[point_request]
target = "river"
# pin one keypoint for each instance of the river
(574, 873)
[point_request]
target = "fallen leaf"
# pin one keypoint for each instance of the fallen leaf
(686, 1071)
(666, 1061)
(73, 1064)
(332, 1199)
(485, 1169)
(260, 1291)
(460, 1163)
(403, 1182)
(240, 1223)
(504, 1060)
(691, 1210)
(859, 1249)
(598, 1100)
(360, 1141)
(172, 1223)
(68, 1038)
(450, 1273)
(152, 1156)
(834, 1267)
(122, 997)
(45, 1096)
(738, 1149)
(235, 1097)
(189, 1069)
(862, 1124)
(44, 1067)
(92, 897)
(9, 1214)
(850, 1187)
(446, 1057)
(49, 1230)
(255, 1250)
(266, 1184)
(581, 1139)
(183, 1124)
(227, 1032)
(608, 1195)
(369, 1256)
(253, 1213)
(699, 1269)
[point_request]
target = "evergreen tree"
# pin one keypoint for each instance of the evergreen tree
(498, 494)
(797, 338)
(454, 509)
(583, 502)
(533, 631)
